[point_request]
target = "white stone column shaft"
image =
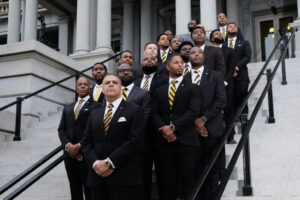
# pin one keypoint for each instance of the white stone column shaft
(103, 25)
(30, 20)
(128, 26)
(208, 13)
(183, 16)
(298, 8)
(63, 31)
(232, 11)
(82, 26)
(145, 23)
(14, 15)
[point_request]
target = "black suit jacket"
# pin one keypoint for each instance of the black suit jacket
(213, 59)
(186, 105)
(101, 97)
(121, 144)
(229, 63)
(214, 100)
(157, 81)
(71, 130)
(161, 67)
(242, 56)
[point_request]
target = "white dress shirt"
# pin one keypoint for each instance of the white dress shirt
(201, 69)
(189, 66)
(167, 51)
(95, 89)
(83, 102)
(149, 80)
(129, 88)
(202, 47)
(179, 79)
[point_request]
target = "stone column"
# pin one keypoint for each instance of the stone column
(127, 25)
(14, 15)
(30, 20)
(232, 11)
(103, 41)
(298, 9)
(208, 14)
(145, 23)
(296, 25)
(82, 27)
(183, 15)
(63, 31)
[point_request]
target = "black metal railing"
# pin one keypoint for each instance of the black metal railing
(246, 127)
(19, 100)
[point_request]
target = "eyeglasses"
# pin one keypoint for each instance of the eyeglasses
(84, 84)
(125, 70)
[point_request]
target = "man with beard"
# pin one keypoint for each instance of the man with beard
(134, 94)
(126, 57)
(170, 35)
(99, 71)
(187, 37)
(213, 56)
(184, 50)
(175, 106)
(217, 40)
(209, 122)
(164, 53)
(242, 56)
(175, 42)
(222, 24)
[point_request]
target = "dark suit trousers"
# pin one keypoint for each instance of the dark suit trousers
(229, 110)
(108, 192)
(211, 183)
(77, 174)
(240, 92)
(175, 165)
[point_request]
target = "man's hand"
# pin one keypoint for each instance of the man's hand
(199, 123)
(73, 149)
(79, 157)
(235, 73)
(203, 132)
(101, 169)
(170, 138)
(168, 133)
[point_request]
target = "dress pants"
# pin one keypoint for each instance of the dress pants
(229, 110)
(211, 183)
(240, 92)
(77, 174)
(175, 166)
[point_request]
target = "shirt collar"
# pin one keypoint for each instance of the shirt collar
(129, 87)
(150, 75)
(200, 69)
(84, 98)
(115, 103)
(202, 47)
(179, 79)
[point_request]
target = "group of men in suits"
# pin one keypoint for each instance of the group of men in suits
(169, 111)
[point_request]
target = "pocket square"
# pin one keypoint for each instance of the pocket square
(86, 109)
(122, 119)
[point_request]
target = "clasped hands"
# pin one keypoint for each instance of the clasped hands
(199, 125)
(101, 169)
(167, 133)
(73, 151)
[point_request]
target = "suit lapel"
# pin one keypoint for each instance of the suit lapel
(179, 91)
(204, 78)
(87, 103)
(132, 93)
(116, 115)
(206, 48)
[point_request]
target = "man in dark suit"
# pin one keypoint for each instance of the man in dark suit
(184, 50)
(164, 53)
(99, 71)
(111, 146)
(150, 81)
(222, 24)
(126, 57)
(209, 122)
(213, 56)
(177, 144)
(71, 129)
(217, 40)
(242, 55)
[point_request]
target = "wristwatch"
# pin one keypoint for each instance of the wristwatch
(172, 126)
(107, 163)
(204, 118)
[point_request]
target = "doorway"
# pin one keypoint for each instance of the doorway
(266, 33)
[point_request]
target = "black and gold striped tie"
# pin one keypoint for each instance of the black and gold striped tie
(197, 78)
(124, 93)
(77, 109)
(107, 118)
(172, 93)
(230, 43)
(164, 57)
(146, 83)
(186, 69)
(97, 93)
(223, 33)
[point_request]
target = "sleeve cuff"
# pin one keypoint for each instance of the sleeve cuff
(236, 68)
(95, 162)
(111, 163)
(66, 149)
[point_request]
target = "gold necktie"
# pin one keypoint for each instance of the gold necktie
(124, 93)
(164, 57)
(230, 43)
(97, 93)
(107, 118)
(172, 93)
(223, 33)
(197, 78)
(77, 109)
(186, 69)
(146, 83)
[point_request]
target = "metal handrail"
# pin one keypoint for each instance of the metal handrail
(211, 162)
(56, 83)
(30, 169)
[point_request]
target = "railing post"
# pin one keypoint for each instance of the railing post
(282, 45)
(247, 188)
(17, 136)
(293, 44)
(271, 118)
(77, 77)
